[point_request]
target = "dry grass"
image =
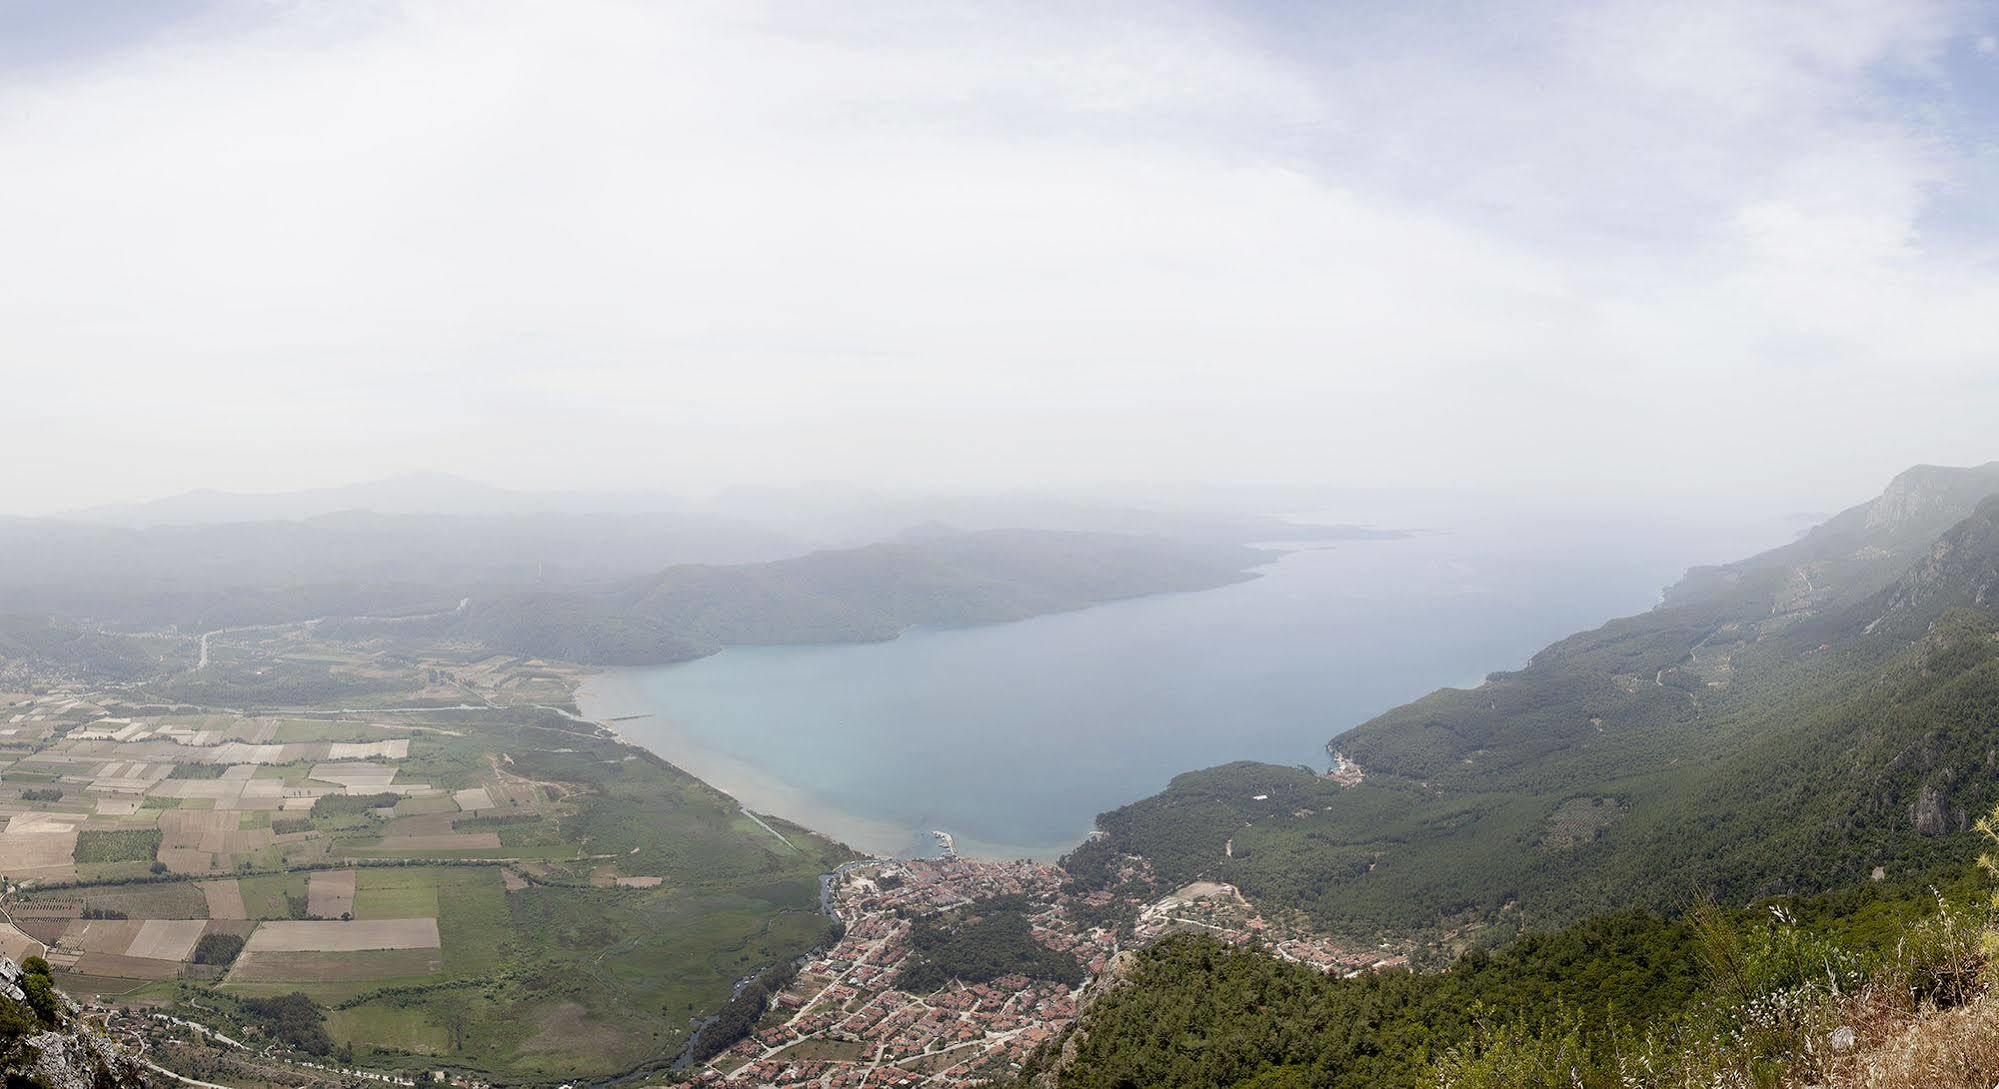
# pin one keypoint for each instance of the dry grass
(225, 899)
(1919, 1049)
(166, 939)
(50, 856)
(330, 894)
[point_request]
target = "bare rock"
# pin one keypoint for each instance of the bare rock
(74, 1060)
(1928, 813)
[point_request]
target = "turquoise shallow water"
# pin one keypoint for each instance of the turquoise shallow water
(1012, 737)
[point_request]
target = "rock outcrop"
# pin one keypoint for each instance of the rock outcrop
(72, 1058)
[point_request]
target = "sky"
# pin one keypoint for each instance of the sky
(1738, 249)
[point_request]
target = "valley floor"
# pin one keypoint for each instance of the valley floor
(458, 878)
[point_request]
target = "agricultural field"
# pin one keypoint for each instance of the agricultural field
(507, 891)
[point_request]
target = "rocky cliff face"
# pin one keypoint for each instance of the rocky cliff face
(45, 1042)
(1925, 499)
(1931, 817)
(1960, 570)
(73, 1058)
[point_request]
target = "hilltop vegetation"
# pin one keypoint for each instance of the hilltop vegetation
(979, 944)
(1713, 998)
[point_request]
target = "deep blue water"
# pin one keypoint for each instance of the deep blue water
(1014, 736)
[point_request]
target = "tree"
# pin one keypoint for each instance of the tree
(42, 997)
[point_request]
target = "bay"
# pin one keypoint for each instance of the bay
(1012, 737)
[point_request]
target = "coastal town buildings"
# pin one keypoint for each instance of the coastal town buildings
(845, 1024)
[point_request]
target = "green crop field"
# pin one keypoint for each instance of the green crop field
(566, 979)
(472, 919)
(307, 729)
(268, 896)
(153, 900)
(404, 1028)
(399, 893)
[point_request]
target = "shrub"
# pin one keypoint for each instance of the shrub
(16, 1019)
(1515, 1056)
(293, 1018)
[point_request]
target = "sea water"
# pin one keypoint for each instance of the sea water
(1013, 737)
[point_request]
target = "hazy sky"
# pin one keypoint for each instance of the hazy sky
(1739, 247)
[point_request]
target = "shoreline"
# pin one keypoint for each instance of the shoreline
(759, 792)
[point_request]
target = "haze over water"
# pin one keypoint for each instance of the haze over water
(1013, 737)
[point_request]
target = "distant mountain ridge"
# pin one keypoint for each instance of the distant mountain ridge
(564, 572)
(227, 574)
(411, 581)
(409, 493)
(844, 595)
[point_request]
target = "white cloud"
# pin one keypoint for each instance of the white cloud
(697, 245)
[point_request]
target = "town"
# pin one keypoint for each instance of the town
(844, 1023)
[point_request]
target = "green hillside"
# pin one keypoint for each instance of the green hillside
(1734, 998)
(1725, 843)
(1785, 724)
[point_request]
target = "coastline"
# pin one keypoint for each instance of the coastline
(879, 817)
(1255, 670)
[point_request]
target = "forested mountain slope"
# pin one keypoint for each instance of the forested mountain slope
(37, 640)
(1783, 724)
